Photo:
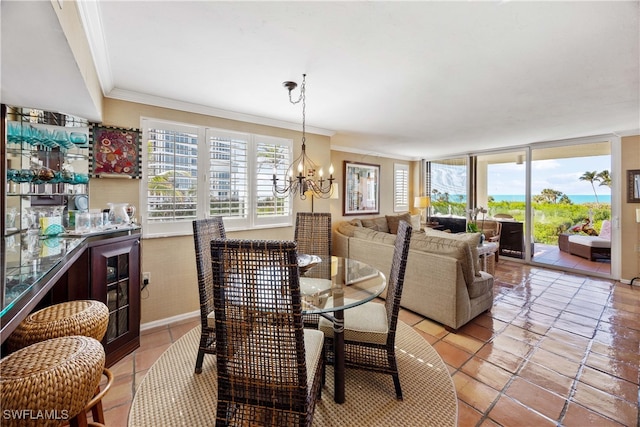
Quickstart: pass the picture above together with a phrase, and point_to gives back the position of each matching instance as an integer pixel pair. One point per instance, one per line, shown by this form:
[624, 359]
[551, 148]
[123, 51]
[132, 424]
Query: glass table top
[337, 283]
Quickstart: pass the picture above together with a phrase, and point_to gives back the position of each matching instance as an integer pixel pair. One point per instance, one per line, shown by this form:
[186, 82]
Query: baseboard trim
[169, 320]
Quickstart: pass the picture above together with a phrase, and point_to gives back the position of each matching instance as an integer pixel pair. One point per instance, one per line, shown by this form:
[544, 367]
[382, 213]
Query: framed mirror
[633, 186]
[361, 188]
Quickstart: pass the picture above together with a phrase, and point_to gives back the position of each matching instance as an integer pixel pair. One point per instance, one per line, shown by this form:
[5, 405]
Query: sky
[558, 174]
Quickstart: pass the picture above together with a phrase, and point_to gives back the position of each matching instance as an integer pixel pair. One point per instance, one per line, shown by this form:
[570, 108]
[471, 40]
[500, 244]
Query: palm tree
[548, 195]
[591, 177]
[604, 178]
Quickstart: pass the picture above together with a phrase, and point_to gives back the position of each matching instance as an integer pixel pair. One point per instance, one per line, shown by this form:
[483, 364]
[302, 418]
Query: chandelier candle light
[305, 181]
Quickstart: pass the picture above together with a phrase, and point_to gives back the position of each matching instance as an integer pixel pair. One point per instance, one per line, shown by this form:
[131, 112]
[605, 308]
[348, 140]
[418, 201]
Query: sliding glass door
[571, 206]
[501, 189]
[554, 200]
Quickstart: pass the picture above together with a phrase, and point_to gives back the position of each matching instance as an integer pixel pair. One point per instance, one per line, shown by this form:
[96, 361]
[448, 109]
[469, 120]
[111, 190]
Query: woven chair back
[259, 332]
[396, 277]
[205, 230]
[491, 228]
[313, 233]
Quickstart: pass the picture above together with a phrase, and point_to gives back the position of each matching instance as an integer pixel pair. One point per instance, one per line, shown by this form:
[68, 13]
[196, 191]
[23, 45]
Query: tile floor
[556, 349]
[552, 255]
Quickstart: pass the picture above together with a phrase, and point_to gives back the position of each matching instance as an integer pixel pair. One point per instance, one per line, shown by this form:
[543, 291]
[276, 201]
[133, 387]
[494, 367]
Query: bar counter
[34, 268]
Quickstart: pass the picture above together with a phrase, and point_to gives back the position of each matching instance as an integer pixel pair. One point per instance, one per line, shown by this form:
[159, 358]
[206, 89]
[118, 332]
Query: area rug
[171, 394]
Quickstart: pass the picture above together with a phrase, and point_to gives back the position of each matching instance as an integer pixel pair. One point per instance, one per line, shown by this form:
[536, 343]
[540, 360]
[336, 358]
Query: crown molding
[89, 12]
[372, 153]
[141, 98]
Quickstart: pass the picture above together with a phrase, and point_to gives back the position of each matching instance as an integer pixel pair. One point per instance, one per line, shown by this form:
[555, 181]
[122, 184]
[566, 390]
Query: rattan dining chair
[492, 230]
[370, 328]
[313, 236]
[270, 369]
[204, 230]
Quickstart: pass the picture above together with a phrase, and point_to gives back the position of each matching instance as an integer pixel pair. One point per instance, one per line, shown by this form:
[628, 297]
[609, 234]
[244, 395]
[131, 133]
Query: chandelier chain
[307, 178]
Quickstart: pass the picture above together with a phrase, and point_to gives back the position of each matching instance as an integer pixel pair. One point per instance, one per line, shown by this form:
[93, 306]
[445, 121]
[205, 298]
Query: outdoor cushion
[592, 241]
[605, 230]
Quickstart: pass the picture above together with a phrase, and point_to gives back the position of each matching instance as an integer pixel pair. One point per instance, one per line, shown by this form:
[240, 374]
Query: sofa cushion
[473, 239]
[347, 228]
[374, 236]
[455, 248]
[377, 224]
[480, 286]
[394, 220]
[356, 221]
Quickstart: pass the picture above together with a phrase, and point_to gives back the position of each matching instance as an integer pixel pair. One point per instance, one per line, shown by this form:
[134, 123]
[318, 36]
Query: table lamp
[421, 203]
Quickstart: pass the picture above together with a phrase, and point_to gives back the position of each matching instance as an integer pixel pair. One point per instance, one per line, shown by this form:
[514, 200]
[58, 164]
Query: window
[400, 187]
[194, 172]
[446, 183]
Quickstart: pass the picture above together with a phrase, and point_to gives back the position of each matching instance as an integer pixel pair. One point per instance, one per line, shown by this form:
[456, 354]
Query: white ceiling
[401, 79]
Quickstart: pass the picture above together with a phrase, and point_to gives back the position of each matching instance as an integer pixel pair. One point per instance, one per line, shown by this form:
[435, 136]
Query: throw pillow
[394, 220]
[605, 230]
[415, 221]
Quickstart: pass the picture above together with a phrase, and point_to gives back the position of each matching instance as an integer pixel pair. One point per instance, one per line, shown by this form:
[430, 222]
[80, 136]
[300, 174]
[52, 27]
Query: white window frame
[185, 227]
[400, 187]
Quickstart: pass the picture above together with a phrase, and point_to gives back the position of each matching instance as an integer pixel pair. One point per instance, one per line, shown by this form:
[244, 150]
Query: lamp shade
[421, 202]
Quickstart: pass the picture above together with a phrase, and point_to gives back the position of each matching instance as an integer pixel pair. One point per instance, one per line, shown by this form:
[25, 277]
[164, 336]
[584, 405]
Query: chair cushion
[211, 320]
[313, 342]
[363, 323]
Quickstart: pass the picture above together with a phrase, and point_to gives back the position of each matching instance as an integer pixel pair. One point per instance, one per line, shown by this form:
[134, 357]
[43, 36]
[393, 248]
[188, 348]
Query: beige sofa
[443, 281]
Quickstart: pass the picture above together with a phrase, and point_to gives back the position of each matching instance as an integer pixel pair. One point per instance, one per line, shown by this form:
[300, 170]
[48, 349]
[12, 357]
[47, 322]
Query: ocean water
[577, 199]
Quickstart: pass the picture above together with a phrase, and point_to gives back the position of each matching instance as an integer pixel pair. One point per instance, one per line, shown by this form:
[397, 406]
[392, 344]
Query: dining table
[329, 285]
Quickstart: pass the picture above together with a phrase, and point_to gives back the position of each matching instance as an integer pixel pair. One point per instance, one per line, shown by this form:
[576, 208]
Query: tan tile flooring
[556, 349]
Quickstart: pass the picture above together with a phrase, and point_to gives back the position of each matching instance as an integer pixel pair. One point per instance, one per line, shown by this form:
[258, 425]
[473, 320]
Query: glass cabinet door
[115, 280]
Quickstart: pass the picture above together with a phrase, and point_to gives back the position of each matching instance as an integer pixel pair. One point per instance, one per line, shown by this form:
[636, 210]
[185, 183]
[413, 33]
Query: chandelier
[303, 177]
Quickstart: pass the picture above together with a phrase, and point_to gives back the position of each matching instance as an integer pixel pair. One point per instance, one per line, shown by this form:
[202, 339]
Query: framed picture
[633, 183]
[115, 152]
[361, 188]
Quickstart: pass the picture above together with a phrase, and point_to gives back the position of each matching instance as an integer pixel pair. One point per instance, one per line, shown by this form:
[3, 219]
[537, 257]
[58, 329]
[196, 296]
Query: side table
[486, 253]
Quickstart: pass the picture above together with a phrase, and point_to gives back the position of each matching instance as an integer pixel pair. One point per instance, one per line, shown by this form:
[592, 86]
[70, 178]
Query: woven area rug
[171, 394]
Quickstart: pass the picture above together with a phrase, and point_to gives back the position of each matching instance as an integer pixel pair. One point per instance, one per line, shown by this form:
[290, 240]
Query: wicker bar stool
[84, 317]
[50, 382]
